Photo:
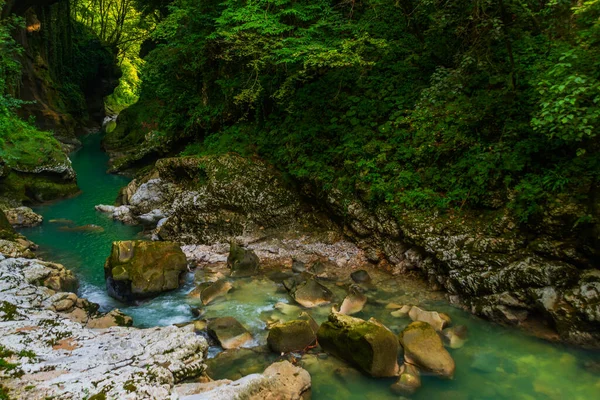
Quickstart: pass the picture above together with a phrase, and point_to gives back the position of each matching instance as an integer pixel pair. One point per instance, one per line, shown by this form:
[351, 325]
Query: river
[495, 363]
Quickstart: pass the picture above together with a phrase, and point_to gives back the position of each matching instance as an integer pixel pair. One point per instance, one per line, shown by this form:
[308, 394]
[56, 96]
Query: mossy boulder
[423, 347]
[295, 335]
[242, 262]
[370, 347]
[138, 269]
[409, 381]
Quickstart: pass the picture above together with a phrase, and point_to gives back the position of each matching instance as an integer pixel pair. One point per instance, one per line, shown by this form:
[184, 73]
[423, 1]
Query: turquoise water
[495, 363]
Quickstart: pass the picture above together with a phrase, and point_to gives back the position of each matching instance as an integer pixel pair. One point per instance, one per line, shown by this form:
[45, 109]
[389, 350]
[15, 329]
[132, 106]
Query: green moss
[24, 147]
[9, 310]
[32, 188]
[130, 386]
[98, 396]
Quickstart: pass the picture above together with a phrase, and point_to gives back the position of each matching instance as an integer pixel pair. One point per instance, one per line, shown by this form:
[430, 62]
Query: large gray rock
[308, 292]
[66, 360]
[280, 381]
[366, 345]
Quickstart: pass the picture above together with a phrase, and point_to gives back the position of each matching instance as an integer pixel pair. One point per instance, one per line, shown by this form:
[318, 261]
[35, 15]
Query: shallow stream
[495, 363]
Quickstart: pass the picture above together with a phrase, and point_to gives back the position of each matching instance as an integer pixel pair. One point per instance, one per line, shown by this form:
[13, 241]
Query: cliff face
[66, 71]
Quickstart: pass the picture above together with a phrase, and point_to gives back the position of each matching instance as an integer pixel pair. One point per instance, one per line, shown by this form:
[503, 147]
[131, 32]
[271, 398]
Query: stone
[402, 311]
[22, 217]
[228, 332]
[298, 266]
[215, 290]
[242, 262]
[409, 381]
[360, 276]
[438, 320]
[423, 347]
[354, 302]
[311, 293]
[295, 335]
[455, 336]
[140, 269]
[370, 347]
[288, 309]
[280, 381]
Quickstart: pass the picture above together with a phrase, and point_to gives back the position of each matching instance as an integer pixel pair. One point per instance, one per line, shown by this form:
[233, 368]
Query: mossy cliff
[63, 74]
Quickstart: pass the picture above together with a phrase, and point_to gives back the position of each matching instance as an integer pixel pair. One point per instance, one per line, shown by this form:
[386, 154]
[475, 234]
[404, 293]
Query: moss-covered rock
[366, 345]
[295, 335]
[139, 269]
[423, 347]
[242, 262]
[308, 292]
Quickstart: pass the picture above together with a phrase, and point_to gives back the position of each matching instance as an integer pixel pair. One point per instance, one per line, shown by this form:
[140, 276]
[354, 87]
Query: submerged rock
[309, 293]
[354, 302]
[409, 381]
[242, 262]
[139, 269]
[369, 346]
[228, 332]
[455, 336]
[294, 335]
[215, 290]
[423, 347]
[83, 228]
[360, 276]
[22, 217]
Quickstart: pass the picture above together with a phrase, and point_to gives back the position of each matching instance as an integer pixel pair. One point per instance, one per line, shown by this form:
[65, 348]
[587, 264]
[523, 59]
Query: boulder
[368, 346]
[6, 229]
[139, 269]
[309, 293]
[228, 332]
[242, 262]
[438, 320]
[22, 217]
[214, 290]
[409, 381]
[294, 335]
[423, 347]
[354, 302]
[298, 266]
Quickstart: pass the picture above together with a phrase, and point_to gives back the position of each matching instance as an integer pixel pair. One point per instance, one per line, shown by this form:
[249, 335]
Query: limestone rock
[424, 348]
[354, 302]
[455, 336]
[370, 347]
[438, 320]
[72, 361]
[22, 217]
[139, 269]
[242, 262]
[295, 335]
[280, 381]
[228, 332]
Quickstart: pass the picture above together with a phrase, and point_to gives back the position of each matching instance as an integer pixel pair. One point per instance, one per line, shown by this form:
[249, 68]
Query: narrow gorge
[299, 199]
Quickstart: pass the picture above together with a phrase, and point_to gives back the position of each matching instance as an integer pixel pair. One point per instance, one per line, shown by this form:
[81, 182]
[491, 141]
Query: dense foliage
[418, 103]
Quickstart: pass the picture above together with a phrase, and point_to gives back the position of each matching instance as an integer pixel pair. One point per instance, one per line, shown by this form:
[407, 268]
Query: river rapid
[495, 363]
